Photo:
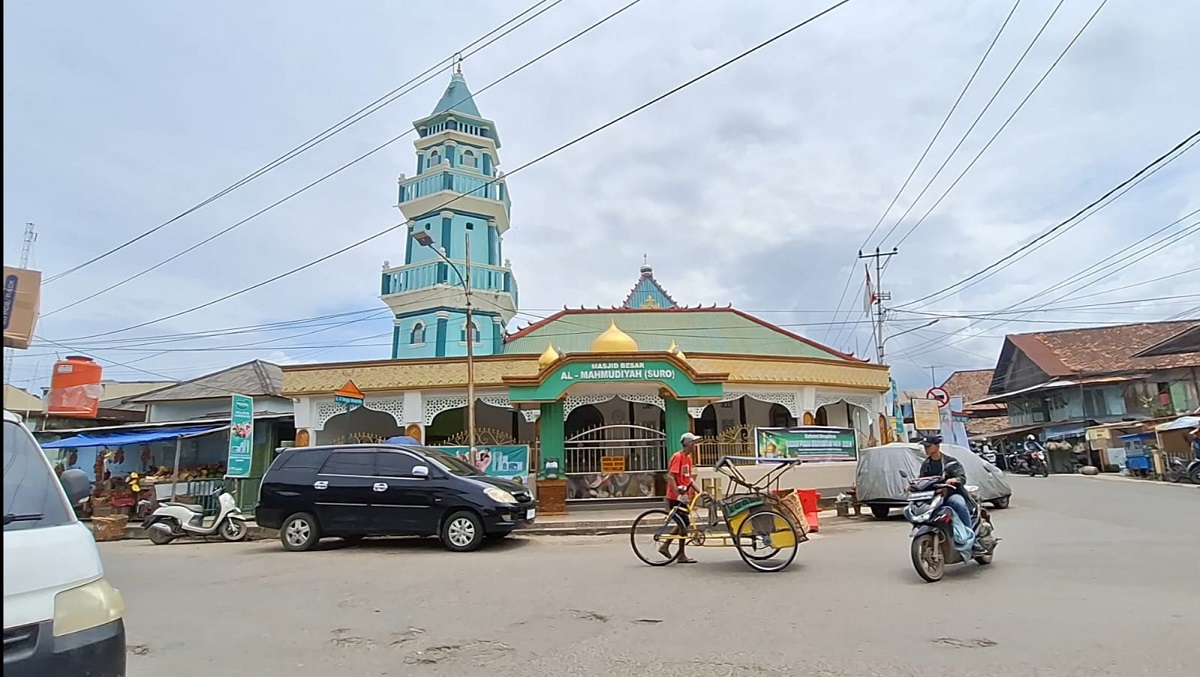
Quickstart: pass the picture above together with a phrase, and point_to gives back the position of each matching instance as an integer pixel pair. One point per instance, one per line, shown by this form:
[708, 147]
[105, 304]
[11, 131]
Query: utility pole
[878, 296]
[470, 357]
[26, 251]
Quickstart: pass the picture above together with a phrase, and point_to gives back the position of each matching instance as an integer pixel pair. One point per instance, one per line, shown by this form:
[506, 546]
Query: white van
[61, 615]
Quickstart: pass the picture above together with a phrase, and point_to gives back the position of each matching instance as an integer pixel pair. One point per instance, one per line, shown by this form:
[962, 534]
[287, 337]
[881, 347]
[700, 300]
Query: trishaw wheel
[767, 541]
[654, 532]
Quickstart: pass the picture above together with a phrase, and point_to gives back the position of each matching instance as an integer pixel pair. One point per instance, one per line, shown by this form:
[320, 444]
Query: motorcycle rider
[949, 469]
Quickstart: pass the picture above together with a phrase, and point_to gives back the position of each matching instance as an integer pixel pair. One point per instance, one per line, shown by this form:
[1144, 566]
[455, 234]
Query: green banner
[813, 443]
[241, 437]
[510, 461]
[650, 371]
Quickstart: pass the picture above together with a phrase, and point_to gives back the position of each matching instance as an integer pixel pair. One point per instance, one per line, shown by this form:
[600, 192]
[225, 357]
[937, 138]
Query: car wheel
[1001, 503]
[880, 512]
[462, 532]
[299, 532]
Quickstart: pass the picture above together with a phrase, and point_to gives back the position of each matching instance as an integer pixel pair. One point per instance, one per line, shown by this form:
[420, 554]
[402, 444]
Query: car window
[394, 464]
[358, 462]
[31, 496]
[452, 464]
[302, 459]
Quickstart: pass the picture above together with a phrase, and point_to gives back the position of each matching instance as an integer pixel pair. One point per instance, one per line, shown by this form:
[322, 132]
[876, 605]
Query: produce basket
[791, 507]
[109, 528]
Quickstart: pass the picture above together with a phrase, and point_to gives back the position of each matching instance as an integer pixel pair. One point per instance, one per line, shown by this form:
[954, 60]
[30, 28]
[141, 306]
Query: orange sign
[612, 464]
[348, 394]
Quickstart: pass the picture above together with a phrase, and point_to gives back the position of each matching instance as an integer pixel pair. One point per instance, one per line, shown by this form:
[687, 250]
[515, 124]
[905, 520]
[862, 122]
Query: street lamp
[927, 324]
[424, 239]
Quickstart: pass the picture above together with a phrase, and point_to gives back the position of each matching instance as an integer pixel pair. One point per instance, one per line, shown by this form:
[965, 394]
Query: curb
[602, 528]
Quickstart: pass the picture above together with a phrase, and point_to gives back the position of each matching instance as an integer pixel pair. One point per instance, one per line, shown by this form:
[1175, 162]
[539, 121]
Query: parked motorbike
[932, 535]
[1178, 471]
[179, 520]
[1038, 465]
[1017, 463]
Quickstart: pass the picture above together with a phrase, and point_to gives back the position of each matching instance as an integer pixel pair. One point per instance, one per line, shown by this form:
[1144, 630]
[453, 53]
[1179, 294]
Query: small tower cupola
[648, 294]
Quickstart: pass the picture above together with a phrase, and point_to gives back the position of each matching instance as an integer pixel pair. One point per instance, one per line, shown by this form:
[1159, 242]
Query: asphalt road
[1093, 577]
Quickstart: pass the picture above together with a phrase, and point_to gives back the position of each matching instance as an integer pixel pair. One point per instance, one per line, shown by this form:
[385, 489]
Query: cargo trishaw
[765, 528]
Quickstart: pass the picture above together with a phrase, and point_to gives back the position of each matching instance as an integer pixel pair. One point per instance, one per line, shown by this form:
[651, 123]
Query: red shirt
[679, 474]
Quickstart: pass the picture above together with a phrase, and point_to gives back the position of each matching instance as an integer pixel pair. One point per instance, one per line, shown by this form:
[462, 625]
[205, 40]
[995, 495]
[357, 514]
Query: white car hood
[39, 564]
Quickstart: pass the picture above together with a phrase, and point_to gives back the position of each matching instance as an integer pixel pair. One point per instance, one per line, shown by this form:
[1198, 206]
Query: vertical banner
[241, 437]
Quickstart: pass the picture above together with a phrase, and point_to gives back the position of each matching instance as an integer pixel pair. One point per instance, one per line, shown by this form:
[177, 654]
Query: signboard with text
[660, 372]
[926, 415]
[241, 437]
[509, 461]
[811, 443]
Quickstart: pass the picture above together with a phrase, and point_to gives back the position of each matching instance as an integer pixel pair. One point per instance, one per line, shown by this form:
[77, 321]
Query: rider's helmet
[1030, 438]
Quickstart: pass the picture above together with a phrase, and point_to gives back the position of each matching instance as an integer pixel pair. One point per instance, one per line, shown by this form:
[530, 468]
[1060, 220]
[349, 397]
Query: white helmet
[1031, 438]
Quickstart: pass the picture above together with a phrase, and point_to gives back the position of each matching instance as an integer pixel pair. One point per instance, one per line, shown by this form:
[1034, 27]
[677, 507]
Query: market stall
[136, 469]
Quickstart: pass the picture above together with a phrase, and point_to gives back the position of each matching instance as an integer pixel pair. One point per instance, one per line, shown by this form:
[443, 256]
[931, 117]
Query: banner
[241, 437]
[22, 296]
[510, 462]
[811, 443]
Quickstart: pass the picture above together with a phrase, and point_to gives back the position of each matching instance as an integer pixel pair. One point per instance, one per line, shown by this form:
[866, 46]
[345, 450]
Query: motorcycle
[1017, 463]
[932, 535]
[179, 520]
[1177, 471]
[1037, 464]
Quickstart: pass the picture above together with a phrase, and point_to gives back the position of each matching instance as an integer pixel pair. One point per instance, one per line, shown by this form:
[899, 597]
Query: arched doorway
[357, 426]
[582, 418]
[843, 414]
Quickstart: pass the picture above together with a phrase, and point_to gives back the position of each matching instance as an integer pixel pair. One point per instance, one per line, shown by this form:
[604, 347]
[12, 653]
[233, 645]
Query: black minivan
[352, 491]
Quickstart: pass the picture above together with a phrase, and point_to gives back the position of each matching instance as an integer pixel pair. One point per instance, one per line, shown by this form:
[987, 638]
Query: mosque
[582, 387]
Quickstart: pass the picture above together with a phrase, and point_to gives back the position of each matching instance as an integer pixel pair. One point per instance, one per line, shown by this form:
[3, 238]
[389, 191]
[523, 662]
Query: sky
[756, 186]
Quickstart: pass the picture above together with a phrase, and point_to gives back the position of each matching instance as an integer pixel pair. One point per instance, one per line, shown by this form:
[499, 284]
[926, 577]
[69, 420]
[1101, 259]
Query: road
[1093, 577]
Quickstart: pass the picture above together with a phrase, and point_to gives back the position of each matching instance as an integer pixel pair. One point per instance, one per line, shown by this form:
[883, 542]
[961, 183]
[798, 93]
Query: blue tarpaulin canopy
[124, 437]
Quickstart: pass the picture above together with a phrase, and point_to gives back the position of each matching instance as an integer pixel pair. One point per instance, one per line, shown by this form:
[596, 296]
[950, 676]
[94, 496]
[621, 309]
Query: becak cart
[766, 529]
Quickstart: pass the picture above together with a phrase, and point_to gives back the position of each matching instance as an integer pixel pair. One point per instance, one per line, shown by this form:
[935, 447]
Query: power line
[329, 132]
[1063, 224]
[1144, 253]
[979, 117]
[492, 181]
[344, 167]
[920, 160]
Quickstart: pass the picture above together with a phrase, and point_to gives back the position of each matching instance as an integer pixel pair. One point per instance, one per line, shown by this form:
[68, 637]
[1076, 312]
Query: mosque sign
[645, 372]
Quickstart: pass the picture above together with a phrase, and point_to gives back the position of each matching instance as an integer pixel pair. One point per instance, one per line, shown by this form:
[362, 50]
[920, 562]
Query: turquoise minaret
[458, 195]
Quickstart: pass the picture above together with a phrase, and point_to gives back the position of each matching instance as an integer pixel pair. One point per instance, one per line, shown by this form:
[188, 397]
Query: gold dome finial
[548, 358]
[613, 340]
[672, 348]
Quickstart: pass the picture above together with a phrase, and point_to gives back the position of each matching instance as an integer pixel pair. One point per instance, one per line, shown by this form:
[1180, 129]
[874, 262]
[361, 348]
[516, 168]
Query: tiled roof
[1186, 341]
[255, 378]
[694, 330]
[1103, 350]
[970, 385]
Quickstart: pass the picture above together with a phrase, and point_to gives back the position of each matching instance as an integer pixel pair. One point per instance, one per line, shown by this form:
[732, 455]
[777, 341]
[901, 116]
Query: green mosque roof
[457, 99]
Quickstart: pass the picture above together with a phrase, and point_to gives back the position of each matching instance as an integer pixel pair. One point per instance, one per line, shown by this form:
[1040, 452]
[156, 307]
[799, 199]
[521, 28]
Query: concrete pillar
[678, 423]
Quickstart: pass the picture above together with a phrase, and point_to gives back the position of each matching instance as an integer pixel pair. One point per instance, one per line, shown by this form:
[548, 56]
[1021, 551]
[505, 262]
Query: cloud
[756, 186]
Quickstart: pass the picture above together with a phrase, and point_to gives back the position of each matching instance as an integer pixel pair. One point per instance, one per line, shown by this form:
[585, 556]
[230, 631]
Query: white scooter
[177, 520]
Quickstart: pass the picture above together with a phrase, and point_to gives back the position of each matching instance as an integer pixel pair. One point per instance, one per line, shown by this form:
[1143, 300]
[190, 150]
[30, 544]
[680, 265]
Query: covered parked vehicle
[878, 483]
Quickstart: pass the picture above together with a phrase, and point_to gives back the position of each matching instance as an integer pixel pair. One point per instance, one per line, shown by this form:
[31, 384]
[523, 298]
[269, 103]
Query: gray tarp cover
[878, 476]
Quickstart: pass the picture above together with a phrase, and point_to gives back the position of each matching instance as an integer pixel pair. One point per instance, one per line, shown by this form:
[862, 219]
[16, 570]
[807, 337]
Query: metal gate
[643, 448]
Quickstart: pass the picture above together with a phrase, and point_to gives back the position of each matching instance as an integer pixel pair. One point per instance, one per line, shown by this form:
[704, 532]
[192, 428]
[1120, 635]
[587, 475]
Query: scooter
[179, 520]
[932, 535]
[1017, 463]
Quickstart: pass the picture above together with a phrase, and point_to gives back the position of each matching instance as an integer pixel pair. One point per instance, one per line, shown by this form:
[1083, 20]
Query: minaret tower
[457, 194]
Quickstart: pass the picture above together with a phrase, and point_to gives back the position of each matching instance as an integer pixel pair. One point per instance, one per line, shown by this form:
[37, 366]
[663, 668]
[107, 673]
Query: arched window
[469, 159]
[418, 334]
[474, 332]
[435, 158]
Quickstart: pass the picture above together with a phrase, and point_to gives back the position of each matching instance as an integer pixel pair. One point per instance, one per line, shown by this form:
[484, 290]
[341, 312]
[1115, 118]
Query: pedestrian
[679, 491]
